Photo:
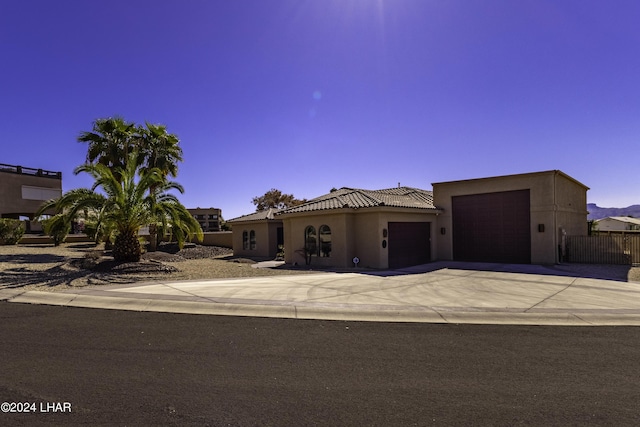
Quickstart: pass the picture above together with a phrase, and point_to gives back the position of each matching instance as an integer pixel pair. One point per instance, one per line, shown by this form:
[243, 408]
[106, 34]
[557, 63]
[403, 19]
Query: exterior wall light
[443, 230]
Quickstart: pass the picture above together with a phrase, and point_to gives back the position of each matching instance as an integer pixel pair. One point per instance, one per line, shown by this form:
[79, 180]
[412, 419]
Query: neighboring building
[23, 190]
[508, 219]
[208, 218]
[258, 234]
[617, 223]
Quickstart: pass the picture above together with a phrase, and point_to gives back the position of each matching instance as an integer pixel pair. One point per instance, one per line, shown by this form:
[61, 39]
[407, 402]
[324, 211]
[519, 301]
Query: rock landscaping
[52, 268]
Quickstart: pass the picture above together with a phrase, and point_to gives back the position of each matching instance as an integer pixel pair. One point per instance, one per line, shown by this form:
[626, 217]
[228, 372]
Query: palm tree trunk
[127, 248]
[153, 238]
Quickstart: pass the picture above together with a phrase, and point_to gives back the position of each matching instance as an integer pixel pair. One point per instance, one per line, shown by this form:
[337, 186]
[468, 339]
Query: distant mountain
[596, 212]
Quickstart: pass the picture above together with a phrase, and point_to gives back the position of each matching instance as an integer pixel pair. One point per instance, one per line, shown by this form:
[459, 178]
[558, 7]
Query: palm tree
[129, 203]
[158, 149]
[76, 201]
[110, 141]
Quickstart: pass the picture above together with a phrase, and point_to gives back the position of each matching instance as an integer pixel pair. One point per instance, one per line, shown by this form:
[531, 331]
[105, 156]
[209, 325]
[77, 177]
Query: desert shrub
[99, 232]
[91, 230]
[91, 259]
[57, 227]
[93, 255]
[11, 231]
[144, 244]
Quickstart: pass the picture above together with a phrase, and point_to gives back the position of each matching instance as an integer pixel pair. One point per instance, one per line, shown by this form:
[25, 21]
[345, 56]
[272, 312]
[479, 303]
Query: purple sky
[304, 96]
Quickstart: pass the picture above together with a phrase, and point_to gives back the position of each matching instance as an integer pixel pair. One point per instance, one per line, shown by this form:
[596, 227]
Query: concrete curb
[344, 312]
[7, 294]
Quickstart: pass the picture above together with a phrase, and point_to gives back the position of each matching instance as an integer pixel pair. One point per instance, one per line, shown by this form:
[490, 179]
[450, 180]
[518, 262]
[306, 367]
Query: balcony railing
[30, 171]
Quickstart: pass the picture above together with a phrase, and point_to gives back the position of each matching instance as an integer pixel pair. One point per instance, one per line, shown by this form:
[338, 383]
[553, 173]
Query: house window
[245, 240]
[325, 241]
[310, 241]
[252, 240]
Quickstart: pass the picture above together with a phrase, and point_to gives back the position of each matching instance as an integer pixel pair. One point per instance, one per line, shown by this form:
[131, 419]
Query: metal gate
[622, 248]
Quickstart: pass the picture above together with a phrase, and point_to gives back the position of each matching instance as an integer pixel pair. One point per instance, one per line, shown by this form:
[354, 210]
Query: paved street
[145, 368]
[444, 345]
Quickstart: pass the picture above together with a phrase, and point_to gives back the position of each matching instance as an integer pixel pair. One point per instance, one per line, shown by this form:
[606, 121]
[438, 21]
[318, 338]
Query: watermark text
[35, 407]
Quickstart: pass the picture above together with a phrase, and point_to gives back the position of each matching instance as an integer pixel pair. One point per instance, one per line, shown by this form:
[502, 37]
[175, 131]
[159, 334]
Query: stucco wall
[572, 206]
[355, 233]
[342, 242]
[556, 202]
[369, 231]
[218, 238]
[266, 238]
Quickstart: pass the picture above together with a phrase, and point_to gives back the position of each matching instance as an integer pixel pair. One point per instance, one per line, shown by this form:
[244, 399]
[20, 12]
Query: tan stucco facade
[354, 233]
[552, 205]
[558, 204]
[264, 243]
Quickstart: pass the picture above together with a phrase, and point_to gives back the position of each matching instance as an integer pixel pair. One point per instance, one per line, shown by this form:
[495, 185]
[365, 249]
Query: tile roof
[354, 198]
[257, 216]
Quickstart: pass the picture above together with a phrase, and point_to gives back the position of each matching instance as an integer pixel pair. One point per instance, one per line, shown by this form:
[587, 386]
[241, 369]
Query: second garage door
[492, 227]
[409, 243]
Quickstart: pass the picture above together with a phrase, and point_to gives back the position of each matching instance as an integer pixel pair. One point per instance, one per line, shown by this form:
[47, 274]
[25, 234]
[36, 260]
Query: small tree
[11, 231]
[275, 199]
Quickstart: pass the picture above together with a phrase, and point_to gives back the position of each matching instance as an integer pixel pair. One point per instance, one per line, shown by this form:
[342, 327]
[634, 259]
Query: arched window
[252, 240]
[310, 241]
[245, 240]
[325, 241]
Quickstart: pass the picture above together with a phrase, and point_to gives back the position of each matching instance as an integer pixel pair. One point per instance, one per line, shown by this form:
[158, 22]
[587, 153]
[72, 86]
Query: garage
[409, 243]
[492, 227]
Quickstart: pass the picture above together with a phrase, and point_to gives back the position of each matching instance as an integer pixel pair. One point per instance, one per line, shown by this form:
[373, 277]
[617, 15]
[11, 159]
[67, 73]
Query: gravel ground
[45, 267]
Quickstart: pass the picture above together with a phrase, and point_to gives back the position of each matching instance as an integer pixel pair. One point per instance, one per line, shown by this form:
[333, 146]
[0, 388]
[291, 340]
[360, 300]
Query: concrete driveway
[440, 292]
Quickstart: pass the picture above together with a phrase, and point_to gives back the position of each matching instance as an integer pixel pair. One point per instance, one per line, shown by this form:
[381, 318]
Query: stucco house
[388, 228]
[618, 223]
[507, 219]
[258, 234]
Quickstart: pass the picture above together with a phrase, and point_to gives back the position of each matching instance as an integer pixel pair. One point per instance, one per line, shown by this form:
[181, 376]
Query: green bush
[11, 231]
[57, 227]
[91, 230]
[99, 232]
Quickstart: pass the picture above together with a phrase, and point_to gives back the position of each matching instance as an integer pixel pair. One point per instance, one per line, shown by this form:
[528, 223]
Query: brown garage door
[492, 227]
[409, 243]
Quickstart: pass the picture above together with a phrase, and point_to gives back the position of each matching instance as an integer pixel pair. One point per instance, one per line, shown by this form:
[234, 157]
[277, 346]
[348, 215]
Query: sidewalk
[435, 293]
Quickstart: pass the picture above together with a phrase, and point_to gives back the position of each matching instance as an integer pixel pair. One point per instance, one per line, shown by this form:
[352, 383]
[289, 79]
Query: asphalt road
[141, 368]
